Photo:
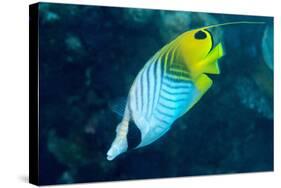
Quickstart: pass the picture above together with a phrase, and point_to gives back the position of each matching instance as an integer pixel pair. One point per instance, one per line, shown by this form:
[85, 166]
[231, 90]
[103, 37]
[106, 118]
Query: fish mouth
[112, 153]
[110, 157]
[118, 146]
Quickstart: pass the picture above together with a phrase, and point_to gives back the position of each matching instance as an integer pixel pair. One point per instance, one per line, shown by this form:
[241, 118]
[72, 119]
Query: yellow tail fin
[212, 68]
[210, 63]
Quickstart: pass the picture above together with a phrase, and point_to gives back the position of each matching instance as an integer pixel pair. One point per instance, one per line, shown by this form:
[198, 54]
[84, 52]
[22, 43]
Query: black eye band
[200, 35]
[133, 136]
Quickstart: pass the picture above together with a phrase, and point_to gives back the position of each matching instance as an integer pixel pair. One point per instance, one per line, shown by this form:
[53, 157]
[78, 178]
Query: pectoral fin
[119, 106]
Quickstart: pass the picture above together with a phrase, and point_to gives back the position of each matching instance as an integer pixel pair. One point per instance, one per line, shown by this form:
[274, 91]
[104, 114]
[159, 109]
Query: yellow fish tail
[212, 68]
[210, 64]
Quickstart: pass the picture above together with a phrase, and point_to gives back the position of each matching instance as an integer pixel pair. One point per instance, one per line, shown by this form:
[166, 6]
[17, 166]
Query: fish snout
[112, 153]
[118, 147]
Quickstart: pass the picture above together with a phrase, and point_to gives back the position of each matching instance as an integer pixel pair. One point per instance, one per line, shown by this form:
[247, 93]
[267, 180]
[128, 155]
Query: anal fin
[202, 84]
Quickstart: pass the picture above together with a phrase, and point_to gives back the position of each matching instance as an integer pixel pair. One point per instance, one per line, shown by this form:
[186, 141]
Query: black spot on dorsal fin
[200, 35]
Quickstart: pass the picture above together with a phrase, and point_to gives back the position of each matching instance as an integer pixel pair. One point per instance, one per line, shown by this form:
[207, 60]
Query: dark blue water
[89, 57]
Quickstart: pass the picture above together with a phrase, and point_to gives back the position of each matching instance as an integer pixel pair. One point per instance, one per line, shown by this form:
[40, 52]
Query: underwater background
[89, 57]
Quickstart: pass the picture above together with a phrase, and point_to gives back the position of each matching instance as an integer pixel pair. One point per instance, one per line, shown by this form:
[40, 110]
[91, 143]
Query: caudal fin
[210, 63]
[212, 68]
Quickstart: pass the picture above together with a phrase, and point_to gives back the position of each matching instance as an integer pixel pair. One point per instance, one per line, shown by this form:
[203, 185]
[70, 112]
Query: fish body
[168, 86]
[161, 93]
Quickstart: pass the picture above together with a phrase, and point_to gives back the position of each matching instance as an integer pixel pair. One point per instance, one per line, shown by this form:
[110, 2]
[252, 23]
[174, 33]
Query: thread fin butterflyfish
[169, 85]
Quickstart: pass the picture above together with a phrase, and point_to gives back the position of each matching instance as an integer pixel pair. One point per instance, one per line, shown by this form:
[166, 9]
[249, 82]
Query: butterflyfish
[169, 85]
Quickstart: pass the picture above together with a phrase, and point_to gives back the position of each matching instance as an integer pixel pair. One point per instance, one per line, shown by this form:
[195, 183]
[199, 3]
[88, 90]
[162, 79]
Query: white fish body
[156, 100]
[169, 84]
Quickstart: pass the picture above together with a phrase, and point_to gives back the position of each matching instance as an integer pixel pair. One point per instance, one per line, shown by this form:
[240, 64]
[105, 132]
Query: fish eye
[200, 35]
